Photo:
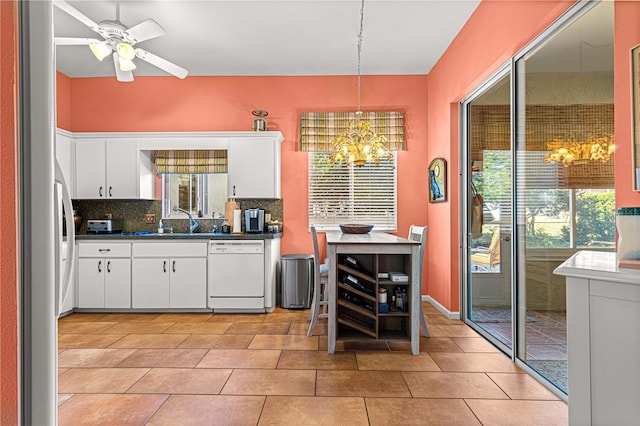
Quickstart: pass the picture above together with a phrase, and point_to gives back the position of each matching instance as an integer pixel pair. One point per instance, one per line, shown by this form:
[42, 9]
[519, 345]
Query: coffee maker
[254, 220]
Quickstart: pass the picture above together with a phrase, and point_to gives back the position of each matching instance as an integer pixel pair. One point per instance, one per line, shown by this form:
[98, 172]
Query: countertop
[600, 265]
[337, 237]
[178, 236]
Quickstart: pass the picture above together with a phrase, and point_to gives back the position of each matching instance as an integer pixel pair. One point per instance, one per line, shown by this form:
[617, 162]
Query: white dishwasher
[236, 276]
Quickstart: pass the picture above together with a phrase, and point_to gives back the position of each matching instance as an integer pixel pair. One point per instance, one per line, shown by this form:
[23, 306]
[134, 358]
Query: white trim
[447, 313]
[181, 140]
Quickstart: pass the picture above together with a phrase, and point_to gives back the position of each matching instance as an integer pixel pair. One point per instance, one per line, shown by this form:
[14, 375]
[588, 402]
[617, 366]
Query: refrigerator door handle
[62, 288]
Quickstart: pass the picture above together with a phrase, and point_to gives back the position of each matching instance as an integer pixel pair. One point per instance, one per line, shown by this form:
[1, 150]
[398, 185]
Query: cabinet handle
[234, 190]
[164, 266]
[100, 191]
[109, 266]
[110, 192]
[103, 250]
[174, 266]
[99, 265]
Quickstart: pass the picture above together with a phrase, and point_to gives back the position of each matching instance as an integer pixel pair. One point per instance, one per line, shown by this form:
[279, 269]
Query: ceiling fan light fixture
[100, 50]
[127, 65]
[125, 51]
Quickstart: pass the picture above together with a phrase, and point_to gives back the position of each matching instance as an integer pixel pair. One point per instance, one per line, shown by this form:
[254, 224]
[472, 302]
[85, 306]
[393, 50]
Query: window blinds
[191, 161]
[339, 194]
[319, 129]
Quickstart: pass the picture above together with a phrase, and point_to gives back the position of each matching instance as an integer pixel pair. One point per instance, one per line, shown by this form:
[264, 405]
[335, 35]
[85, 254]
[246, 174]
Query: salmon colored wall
[225, 103]
[63, 104]
[493, 34]
[8, 215]
[627, 35]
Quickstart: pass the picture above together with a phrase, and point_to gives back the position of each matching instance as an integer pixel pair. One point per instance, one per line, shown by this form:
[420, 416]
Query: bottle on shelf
[400, 294]
[353, 282]
[353, 263]
[352, 298]
[160, 227]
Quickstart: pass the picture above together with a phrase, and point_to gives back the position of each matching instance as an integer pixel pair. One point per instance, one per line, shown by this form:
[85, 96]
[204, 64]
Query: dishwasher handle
[237, 247]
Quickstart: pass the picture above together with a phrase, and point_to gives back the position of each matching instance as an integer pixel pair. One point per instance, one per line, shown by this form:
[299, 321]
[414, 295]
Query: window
[201, 194]
[555, 217]
[340, 194]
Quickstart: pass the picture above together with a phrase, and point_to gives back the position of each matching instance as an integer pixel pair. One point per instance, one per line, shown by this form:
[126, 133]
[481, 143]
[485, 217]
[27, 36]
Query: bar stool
[320, 301]
[419, 233]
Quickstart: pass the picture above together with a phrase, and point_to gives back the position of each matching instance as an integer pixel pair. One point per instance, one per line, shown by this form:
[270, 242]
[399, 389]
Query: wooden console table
[378, 252]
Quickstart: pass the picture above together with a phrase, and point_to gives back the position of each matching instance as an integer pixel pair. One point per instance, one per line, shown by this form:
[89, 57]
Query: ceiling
[266, 37]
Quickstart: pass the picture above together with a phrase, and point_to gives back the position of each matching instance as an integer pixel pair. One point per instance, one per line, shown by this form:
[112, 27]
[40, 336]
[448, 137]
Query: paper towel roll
[237, 221]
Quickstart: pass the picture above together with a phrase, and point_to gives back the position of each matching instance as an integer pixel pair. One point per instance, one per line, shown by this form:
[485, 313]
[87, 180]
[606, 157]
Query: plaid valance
[319, 129]
[191, 161]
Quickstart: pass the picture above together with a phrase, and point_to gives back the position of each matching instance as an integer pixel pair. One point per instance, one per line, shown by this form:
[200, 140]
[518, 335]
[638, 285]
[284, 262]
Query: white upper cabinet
[112, 168]
[64, 155]
[254, 167]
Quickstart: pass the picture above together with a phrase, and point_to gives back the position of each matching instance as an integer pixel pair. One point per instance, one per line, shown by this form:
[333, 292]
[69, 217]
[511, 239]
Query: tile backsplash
[132, 213]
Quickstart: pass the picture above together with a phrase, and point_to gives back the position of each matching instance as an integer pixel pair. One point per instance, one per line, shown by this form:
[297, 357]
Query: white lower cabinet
[169, 275]
[104, 275]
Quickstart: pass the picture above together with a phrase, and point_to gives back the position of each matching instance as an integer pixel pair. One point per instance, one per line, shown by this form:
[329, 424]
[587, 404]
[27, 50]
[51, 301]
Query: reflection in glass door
[489, 281]
[565, 197]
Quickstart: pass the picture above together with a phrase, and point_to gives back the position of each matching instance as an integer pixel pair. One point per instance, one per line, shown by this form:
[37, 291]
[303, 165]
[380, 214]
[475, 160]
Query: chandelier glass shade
[359, 144]
[573, 152]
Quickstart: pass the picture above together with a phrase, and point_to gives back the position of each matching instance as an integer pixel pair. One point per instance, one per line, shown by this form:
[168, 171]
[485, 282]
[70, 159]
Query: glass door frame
[515, 68]
[465, 190]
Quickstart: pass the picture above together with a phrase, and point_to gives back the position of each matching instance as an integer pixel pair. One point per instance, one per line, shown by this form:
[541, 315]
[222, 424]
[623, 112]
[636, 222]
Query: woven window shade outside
[319, 129]
[490, 130]
[191, 161]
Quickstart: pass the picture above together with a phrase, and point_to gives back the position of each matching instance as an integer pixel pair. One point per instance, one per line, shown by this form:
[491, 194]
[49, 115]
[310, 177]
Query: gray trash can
[297, 281]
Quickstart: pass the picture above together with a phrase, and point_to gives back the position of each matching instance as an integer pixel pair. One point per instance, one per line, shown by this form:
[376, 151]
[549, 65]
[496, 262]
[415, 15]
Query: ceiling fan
[119, 41]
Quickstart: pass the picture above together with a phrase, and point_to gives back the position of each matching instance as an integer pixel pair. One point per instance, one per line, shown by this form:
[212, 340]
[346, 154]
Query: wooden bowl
[352, 228]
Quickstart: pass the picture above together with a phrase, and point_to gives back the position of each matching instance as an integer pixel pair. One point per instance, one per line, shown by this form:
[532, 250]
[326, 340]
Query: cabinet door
[122, 168]
[188, 283]
[150, 283]
[117, 283]
[90, 169]
[91, 283]
[254, 168]
[64, 155]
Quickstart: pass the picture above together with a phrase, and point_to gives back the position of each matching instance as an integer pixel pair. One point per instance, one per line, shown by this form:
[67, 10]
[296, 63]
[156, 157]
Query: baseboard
[447, 313]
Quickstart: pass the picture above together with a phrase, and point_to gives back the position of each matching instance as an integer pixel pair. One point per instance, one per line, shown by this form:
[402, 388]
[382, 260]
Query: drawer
[100, 249]
[170, 249]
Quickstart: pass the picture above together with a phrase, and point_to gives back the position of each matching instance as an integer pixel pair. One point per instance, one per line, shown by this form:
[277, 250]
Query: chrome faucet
[193, 224]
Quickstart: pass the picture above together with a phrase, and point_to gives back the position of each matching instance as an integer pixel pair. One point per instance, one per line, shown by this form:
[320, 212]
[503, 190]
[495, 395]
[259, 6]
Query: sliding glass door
[539, 187]
[489, 233]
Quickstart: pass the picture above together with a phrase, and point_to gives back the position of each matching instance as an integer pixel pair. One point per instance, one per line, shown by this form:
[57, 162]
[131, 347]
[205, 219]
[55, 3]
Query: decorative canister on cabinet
[260, 121]
[628, 226]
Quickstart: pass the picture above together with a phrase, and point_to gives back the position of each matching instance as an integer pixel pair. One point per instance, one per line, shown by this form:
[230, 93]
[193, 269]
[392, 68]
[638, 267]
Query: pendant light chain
[359, 144]
[360, 37]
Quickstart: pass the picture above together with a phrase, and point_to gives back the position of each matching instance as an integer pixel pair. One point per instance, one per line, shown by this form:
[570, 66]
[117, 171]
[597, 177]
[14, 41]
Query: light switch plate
[150, 218]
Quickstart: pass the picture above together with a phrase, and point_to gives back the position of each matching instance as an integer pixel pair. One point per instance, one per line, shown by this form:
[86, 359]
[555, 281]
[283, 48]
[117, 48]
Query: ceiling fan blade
[125, 76]
[145, 30]
[75, 41]
[161, 63]
[63, 5]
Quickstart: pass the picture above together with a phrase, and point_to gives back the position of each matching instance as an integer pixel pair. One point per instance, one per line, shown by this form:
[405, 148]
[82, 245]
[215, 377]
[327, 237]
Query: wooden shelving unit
[354, 319]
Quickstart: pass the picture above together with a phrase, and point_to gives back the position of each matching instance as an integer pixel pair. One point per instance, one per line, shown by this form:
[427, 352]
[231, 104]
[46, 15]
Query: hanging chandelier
[573, 152]
[359, 144]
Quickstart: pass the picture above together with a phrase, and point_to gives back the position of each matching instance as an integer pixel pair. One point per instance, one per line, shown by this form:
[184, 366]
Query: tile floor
[262, 369]
[546, 337]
